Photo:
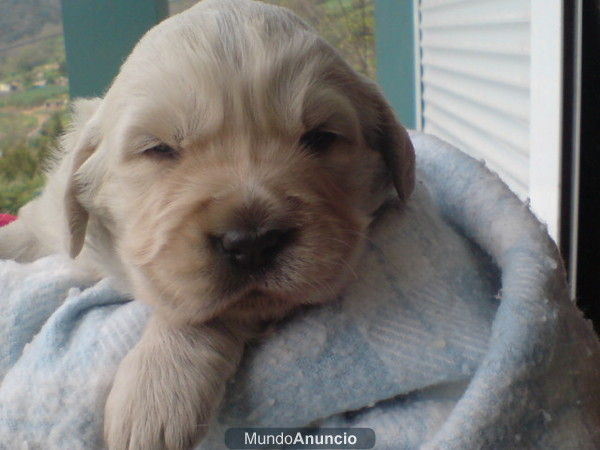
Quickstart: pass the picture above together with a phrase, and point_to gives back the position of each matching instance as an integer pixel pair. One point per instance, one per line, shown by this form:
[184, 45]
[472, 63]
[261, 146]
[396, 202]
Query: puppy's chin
[253, 303]
[256, 305]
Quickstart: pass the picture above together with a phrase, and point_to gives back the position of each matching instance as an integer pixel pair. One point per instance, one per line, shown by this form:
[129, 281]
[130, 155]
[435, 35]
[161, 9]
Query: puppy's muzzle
[251, 248]
[250, 235]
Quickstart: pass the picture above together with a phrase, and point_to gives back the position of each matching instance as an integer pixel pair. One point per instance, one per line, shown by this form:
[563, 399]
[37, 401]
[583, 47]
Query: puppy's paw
[169, 385]
[152, 408]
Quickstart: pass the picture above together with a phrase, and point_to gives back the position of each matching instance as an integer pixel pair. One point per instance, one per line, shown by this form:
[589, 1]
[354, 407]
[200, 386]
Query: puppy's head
[237, 162]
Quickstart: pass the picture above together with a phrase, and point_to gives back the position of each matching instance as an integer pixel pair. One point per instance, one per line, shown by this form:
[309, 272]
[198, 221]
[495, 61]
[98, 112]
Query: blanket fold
[458, 333]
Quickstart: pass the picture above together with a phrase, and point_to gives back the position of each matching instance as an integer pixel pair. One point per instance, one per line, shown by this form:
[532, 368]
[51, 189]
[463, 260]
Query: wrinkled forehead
[210, 69]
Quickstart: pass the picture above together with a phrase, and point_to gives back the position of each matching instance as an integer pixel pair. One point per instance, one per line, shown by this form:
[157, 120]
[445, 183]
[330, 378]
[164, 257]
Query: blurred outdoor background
[34, 80]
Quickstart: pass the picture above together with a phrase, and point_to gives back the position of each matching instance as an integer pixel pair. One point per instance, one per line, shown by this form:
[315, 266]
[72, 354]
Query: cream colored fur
[232, 86]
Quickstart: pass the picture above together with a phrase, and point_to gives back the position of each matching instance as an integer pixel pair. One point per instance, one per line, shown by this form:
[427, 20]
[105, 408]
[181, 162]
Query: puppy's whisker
[360, 234]
[350, 269]
[320, 285]
[375, 245]
[336, 240]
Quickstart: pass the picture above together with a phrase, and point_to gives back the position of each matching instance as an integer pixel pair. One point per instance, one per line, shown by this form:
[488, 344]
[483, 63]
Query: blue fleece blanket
[457, 334]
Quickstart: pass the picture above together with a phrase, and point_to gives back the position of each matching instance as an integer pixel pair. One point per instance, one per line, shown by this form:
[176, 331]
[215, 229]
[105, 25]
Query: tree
[23, 162]
[346, 24]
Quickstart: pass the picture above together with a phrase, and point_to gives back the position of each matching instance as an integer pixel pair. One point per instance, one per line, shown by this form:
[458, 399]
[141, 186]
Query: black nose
[254, 249]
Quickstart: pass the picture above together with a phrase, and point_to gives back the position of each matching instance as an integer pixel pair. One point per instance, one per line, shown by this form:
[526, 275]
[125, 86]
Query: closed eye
[161, 151]
[318, 141]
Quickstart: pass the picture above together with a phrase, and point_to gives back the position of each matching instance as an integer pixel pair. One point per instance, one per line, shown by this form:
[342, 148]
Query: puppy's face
[239, 163]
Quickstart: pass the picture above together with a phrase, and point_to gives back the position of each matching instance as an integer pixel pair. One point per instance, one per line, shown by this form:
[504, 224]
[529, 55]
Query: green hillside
[21, 19]
[33, 95]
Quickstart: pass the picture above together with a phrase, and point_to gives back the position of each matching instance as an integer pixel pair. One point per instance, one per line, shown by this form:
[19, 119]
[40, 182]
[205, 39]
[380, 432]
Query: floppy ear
[384, 134]
[80, 144]
[396, 148]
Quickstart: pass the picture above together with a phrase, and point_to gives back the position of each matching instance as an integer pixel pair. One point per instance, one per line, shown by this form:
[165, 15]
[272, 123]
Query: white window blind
[475, 80]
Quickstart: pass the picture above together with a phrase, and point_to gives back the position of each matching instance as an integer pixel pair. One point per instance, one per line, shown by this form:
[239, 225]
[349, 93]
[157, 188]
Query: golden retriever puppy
[229, 175]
